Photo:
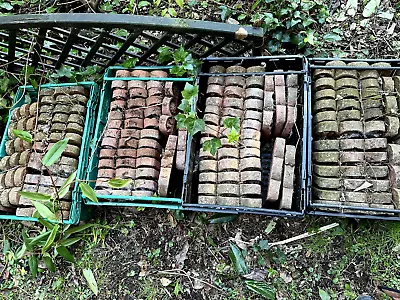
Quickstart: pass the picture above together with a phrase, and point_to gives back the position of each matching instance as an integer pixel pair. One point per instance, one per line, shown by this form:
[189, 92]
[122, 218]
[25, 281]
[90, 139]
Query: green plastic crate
[76, 205]
[119, 200]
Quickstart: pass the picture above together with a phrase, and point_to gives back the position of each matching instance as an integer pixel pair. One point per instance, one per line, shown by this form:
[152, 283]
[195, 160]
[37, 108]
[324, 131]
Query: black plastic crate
[347, 211]
[289, 65]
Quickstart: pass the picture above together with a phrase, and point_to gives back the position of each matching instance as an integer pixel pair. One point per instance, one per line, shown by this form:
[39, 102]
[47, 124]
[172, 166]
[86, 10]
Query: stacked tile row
[355, 122]
[141, 116]
[266, 109]
[59, 113]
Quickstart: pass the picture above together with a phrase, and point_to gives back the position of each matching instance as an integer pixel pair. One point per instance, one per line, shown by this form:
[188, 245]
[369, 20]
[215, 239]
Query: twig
[172, 273]
[304, 235]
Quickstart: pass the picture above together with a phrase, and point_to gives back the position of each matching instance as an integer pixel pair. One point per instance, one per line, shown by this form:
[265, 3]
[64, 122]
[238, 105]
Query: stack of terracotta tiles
[140, 120]
[266, 109]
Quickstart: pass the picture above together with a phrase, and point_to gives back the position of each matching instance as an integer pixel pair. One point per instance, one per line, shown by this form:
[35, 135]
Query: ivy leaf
[194, 125]
[185, 106]
[54, 152]
[332, 37]
[23, 135]
[178, 70]
[164, 55]
[233, 135]
[180, 120]
[88, 274]
[44, 211]
[119, 183]
[371, 8]
[190, 91]
[180, 54]
[35, 196]
[88, 192]
[64, 71]
[130, 62]
[261, 288]
[212, 145]
[33, 265]
[232, 122]
[309, 37]
[237, 260]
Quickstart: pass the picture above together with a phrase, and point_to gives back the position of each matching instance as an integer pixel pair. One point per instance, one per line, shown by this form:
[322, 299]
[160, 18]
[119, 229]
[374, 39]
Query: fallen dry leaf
[165, 281]
[182, 256]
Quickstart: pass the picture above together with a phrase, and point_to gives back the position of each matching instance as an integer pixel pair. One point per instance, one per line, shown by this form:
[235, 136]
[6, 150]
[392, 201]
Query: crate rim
[129, 22]
[93, 90]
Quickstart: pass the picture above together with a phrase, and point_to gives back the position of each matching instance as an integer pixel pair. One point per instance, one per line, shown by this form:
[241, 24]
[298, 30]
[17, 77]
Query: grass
[376, 243]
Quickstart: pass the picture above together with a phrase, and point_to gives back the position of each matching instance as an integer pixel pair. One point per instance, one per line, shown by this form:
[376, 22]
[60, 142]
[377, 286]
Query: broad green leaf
[33, 264]
[332, 37]
[46, 224]
[69, 242]
[180, 55]
[44, 211]
[119, 183]
[164, 55]
[35, 196]
[185, 106]
[6, 6]
[64, 71]
[54, 152]
[88, 274]
[233, 122]
[88, 192]
[194, 125]
[27, 240]
[264, 245]
[371, 8]
[172, 12]
[6, 246]
[66, 185]
[23, 135]
[178, 214]
[180, 120]
[222, 218]
[41, 237]
[63, 251]
[190, 91]
[48, 261]
[212, 145]
[144, 4]
[261, 288]
[237, 259]
[130, 62]
[21, 252]
[309, 37]
[79, 228]
[180, 3]
[233, 135]
[351, 7]
[323, 295]
[51, 238]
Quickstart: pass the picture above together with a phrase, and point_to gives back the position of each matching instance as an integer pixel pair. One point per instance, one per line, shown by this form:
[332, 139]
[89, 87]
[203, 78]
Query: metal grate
[80, 40]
